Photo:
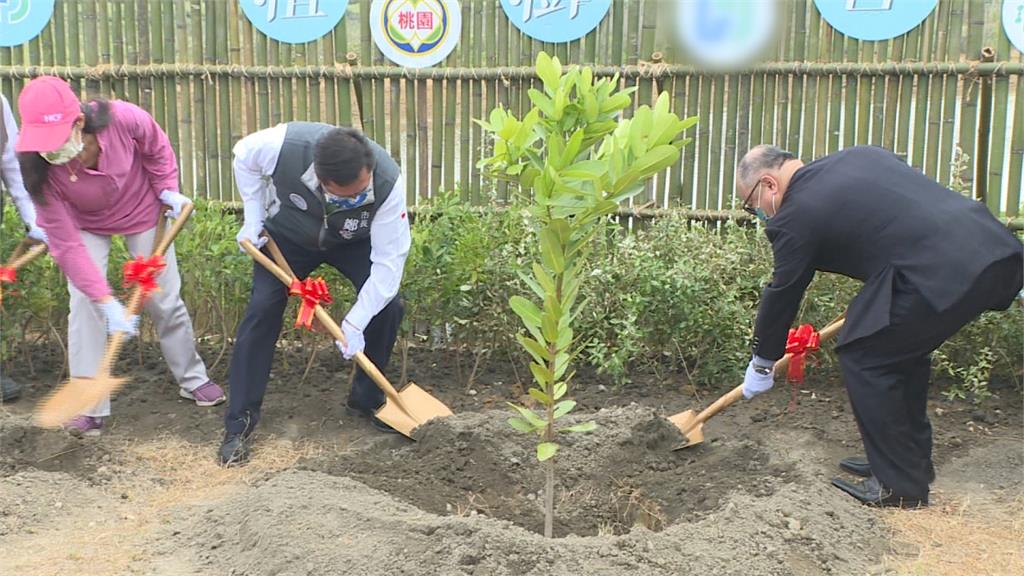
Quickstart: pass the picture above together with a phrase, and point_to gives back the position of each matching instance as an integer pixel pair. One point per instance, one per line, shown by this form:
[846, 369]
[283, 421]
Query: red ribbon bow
[801, 341]
[7, 276]
[313, 292]
[142, 272]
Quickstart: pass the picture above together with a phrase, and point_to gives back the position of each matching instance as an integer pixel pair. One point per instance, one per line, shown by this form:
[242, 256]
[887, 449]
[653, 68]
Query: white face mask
[73, 147]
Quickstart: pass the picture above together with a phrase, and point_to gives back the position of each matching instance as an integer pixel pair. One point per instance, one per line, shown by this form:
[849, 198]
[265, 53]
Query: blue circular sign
[1013, 22]
[556, 20]
[294, 21]
[875, 19]
[23, 20]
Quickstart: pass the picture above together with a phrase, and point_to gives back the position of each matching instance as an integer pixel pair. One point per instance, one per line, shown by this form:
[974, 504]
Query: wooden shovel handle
[163, 238]
[361, 359]
[780, 366]
[26, 251]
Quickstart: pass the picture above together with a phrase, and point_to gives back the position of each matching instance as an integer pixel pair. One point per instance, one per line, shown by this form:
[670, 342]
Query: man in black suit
[931, 261]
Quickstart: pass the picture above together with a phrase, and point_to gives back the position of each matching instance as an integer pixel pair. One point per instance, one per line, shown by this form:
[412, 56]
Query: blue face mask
[345, 203]
[761, 214]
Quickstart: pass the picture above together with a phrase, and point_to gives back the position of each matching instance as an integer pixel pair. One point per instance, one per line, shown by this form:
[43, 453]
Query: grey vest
[299, 213]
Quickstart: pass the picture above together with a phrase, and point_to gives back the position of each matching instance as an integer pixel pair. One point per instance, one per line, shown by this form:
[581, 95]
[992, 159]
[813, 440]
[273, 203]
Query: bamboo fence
[950, 87]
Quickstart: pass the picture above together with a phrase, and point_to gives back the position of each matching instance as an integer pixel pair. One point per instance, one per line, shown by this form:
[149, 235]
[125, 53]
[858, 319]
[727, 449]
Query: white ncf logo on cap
[50, 118]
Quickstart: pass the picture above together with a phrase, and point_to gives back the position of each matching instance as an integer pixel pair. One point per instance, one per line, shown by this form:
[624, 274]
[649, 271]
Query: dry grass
[152, 481]
[957, 537]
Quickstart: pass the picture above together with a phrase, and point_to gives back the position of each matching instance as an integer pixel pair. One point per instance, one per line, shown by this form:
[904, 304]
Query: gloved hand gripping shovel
[79, 394]
[691, 424]
[403, 410]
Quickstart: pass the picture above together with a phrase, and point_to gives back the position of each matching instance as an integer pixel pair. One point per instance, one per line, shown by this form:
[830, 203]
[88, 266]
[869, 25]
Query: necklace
[74, 173]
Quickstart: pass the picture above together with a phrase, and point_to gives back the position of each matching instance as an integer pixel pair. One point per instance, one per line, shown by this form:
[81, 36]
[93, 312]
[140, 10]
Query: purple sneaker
[83, 425]
[208, 394]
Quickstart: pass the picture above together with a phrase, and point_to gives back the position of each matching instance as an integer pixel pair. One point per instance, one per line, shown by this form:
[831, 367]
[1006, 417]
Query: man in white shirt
[10, 177]
[326, 195]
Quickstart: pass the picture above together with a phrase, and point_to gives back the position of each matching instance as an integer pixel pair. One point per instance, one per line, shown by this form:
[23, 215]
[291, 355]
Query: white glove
[118, 319]
[252, 225]
[251, 233]
[37, 233]
[176, 200]
[760, 377]
[354, 341]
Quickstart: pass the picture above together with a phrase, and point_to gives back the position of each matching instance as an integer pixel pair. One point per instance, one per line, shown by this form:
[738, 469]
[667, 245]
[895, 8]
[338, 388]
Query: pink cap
[48, 109]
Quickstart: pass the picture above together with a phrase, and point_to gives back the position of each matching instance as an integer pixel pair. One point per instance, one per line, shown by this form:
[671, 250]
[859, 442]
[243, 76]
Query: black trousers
[887, 374]
[258, 332]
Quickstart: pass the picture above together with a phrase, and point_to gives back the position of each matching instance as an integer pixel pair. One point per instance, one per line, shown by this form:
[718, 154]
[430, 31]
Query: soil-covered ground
[327, 494]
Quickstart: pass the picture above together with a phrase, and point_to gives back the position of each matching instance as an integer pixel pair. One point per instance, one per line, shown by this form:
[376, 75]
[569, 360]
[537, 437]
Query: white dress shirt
[254, 163]
[11, 171]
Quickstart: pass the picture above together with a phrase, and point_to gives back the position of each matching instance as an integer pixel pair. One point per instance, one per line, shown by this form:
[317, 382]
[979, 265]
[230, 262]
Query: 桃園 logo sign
[416, 33]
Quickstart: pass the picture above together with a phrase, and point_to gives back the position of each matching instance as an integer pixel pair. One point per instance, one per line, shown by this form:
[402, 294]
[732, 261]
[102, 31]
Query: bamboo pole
[502, 92]
[1016, 154]
[395, 118]
[437, 135]
[892, 93]
[74, 55]
[171, 84]
[301, 87]
[236, 105]
[345, 91]
[704, 130]
[757, 111]
[186, 154]
[835, 111]
[212, 89]
[911, 51]
[851, 88]
[822, 86]
[423, 127]
[618, 32]
[937, 91]
[649, 20]
[410, 169]
[732, 120]
[366, 112]
[154, 40]
[808, 116]
[146, 85]
[328, 58]
[971, 91]
[690, 152]
[315, 86]
[678, 93]
[225, 118]
[465, 110]
[955, 35]
[878, 97]
[1000, 114]
[198, 109]
[983, 135]
[91, 43]
[864, 98]
[917, 143]
[796, 82]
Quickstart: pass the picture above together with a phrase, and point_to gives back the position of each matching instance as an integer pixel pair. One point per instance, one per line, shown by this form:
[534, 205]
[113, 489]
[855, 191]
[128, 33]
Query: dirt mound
[303, 522]
[622, 474]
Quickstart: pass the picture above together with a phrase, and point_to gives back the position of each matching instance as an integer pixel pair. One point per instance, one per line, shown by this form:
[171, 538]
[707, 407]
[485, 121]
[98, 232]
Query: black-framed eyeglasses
[746, 202]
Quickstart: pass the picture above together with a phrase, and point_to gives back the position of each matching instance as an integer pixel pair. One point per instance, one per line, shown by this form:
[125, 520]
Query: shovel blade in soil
[417, 408]
[73, 398]
[688, 425]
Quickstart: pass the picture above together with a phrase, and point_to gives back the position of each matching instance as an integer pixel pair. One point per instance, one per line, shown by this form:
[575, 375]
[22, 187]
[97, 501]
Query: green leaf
[560, 389]
[585, 170]
[551, 250]
[526, 310]
[539, 396]
[537, 288]
[536, 421]
[584, 427]
[542, 102]
[564, 407]
[561, 364]
[535, 348]
[520, 424]
[544, 279]
[541, 374]
[549, 70]
[546, 450]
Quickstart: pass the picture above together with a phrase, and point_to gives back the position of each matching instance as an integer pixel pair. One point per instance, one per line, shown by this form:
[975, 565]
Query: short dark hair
[340, 156]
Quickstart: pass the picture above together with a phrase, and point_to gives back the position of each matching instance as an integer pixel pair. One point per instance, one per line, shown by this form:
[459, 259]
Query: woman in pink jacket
[94, 170]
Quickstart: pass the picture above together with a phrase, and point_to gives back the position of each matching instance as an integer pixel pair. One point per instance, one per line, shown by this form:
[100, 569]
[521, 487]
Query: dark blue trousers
[253, 354]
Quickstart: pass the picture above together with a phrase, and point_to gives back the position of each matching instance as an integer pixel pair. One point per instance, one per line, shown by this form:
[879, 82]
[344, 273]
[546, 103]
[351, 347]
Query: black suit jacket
[864, 213]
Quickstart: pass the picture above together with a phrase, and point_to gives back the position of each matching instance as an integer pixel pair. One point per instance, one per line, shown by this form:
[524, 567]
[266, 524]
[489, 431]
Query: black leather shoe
[873, 493]
[9, 390]
[857, 465]
[377, 424]
[234, 451]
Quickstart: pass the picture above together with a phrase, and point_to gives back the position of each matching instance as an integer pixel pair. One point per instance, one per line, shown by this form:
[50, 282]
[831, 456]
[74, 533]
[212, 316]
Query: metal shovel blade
[687, 423]
[416, 407]
[73, 398]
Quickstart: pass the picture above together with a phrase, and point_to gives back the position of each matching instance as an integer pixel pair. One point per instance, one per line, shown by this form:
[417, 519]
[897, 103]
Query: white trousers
[87, 332]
